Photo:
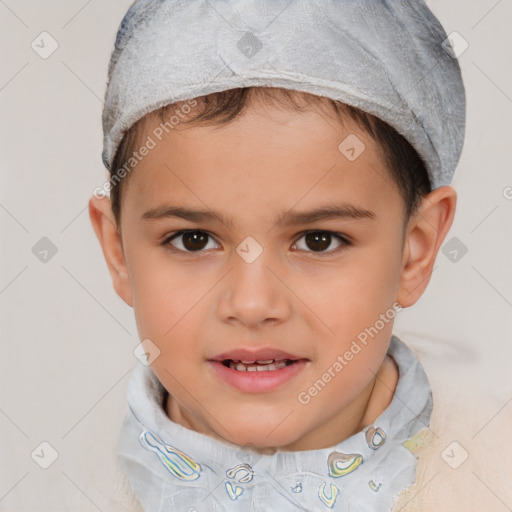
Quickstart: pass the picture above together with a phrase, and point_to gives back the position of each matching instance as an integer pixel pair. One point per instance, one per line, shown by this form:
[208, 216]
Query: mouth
[257, 371]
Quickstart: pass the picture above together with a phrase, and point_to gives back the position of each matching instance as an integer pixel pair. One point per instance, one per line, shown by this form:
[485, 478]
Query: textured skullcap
[386, 57]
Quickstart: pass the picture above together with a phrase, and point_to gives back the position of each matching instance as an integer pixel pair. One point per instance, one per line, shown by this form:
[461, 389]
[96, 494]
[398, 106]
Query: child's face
[198, 298]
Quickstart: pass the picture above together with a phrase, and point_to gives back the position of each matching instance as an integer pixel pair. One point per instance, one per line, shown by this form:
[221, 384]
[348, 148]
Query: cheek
[358, 294]
[359, 310]
[166, 299]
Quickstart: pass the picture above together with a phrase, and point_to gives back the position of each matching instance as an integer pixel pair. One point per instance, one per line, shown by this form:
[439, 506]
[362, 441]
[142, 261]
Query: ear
[425, 233]
[105, 227]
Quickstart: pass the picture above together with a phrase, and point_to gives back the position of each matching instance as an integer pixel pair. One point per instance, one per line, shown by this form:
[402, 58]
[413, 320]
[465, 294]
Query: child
[278, 193]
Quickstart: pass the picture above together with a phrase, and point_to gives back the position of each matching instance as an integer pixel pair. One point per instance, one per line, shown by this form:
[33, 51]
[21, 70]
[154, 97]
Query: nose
[254, 294]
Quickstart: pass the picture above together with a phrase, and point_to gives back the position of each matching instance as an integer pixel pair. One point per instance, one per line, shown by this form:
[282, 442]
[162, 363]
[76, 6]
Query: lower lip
[257, 382]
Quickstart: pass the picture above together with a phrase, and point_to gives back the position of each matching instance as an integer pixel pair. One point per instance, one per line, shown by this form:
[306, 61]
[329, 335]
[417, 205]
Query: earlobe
[425, 234]
[105, 227]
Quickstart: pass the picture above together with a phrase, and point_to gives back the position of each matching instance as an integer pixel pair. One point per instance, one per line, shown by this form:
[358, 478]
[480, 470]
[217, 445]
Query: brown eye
[191, 241]
[320, 241]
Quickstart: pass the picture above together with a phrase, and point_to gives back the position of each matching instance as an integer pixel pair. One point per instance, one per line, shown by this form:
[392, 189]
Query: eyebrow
[289, 218]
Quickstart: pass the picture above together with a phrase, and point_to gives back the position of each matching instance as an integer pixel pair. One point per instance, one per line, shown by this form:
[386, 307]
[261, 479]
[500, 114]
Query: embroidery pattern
[176, 462]
[242, 473]
[341, 464]
[375, 437]
[373, 486]
[328, 499]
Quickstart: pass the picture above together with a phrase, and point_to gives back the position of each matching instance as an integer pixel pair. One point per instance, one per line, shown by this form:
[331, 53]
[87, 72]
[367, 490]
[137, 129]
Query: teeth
[259, 366]
[259, 362]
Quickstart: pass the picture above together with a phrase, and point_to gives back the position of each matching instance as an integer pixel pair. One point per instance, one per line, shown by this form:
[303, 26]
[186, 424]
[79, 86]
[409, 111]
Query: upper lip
[262, 354]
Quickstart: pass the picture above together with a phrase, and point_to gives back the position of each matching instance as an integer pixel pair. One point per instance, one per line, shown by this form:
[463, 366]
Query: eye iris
[318, 241]
[194, 240]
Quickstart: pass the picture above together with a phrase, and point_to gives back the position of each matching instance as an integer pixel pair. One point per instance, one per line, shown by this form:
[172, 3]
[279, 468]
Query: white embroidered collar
[174, 468]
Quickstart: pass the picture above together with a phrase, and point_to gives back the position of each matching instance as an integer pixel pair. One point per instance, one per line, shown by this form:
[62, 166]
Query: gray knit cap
[390, 58]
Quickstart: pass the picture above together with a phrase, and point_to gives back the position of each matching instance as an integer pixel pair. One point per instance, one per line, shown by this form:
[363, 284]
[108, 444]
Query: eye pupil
[197, 240]
[318, 240]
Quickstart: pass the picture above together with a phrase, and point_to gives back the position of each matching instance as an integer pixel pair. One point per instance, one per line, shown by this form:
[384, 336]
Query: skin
[293, 297]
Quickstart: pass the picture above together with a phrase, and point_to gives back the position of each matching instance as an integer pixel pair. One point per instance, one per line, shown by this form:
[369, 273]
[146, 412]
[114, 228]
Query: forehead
[268, 158]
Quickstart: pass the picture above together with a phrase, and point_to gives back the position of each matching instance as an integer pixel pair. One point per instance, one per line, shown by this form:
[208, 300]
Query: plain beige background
[67, 340]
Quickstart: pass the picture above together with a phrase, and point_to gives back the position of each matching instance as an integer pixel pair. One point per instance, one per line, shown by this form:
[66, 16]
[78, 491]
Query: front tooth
[263, 361]
[251, 367]
[270, 367]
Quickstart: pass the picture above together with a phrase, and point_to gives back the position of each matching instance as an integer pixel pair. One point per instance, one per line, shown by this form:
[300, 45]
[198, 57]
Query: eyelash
[344, 241]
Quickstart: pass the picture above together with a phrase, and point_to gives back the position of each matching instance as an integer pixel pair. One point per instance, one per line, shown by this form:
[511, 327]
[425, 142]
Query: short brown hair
[406, 167]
